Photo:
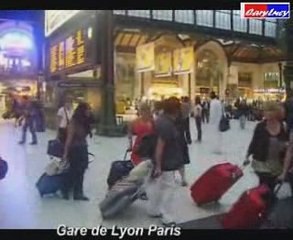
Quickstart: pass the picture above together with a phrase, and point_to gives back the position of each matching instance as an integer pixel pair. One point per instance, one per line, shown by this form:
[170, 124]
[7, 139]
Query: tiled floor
[21, 206]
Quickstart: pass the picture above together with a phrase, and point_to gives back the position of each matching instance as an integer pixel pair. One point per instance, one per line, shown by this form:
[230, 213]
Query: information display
[73, 51]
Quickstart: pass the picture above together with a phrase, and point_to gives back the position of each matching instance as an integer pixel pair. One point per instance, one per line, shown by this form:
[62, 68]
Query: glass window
[184, 16]
[239, 24]
[139, 13]
[223, 20]
[162, 15]
[270, 28]
[204, 18]
[119, 12]
[255, 26]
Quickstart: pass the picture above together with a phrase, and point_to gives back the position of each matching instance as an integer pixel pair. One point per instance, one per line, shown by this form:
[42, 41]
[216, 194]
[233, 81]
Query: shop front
[143, 57]
[151, 71]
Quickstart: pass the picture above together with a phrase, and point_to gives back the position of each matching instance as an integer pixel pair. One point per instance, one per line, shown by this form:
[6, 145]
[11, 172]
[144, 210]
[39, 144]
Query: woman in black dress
[184, 145]
[76, 152]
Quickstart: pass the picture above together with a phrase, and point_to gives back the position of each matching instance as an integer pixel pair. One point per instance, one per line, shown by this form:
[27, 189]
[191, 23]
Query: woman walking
[268, 148]
[142, 126]
[198, 118]
[76, 152]
[180, 125]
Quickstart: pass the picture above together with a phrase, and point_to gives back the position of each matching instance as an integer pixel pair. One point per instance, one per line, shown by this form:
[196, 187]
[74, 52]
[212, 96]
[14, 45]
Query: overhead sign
[145, 57]
[183, 60]
[56, 18]
[163, 64]
[72, 51]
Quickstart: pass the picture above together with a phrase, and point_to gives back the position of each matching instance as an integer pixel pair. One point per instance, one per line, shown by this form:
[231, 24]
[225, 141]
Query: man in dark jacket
[29, 114]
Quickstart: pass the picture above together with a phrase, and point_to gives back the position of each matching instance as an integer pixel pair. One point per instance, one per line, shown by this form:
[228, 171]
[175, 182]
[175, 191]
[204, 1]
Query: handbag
[55, 148]
[56, 167]
[224, 123]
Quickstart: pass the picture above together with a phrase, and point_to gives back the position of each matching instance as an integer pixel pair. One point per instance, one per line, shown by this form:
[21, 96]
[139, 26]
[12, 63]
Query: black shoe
[81, 198]
[33, 143]
[21, 142]
[65, 196]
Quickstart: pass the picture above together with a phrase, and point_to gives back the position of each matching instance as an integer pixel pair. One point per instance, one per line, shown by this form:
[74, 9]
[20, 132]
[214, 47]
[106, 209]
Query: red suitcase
[249, 211]
[213, 184]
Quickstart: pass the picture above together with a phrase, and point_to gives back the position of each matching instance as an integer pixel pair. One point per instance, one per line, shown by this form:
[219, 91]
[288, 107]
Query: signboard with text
[163, 64]
[183, 60]
[72, 52]
[145, 57]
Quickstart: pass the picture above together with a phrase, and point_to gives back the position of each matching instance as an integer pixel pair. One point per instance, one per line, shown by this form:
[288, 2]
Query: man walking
[216, 112]
[169, 158]
[29, 113]
[64, 115]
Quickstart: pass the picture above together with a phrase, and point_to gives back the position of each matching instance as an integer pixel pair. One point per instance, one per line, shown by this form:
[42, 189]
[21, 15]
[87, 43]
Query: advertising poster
[183, 60]
[163, 62]
[145, 57]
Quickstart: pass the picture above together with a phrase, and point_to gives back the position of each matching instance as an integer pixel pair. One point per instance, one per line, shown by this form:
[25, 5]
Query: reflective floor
[22, 207]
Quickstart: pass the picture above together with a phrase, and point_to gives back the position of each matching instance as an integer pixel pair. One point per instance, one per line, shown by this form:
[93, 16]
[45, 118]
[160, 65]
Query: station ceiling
[240, 51]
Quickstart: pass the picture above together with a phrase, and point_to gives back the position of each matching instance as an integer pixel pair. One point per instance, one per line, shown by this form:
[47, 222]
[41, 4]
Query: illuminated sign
[56, 18]
[73, 51]
[17, 48]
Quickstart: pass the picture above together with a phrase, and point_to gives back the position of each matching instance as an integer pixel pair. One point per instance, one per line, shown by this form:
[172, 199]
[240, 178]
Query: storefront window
[255, 26]
[139, 13]
[125, 75]
[223, 20]
[204, 18]
[270, 28]
[184, 16]
[162, 15]
[239, 24]
[245, 79]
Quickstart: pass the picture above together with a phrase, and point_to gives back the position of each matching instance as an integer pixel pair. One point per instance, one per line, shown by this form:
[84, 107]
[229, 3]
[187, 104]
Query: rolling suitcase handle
[126, 153]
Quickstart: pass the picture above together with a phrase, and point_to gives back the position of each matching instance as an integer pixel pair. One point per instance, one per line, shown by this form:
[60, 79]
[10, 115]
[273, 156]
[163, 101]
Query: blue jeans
[29, 123]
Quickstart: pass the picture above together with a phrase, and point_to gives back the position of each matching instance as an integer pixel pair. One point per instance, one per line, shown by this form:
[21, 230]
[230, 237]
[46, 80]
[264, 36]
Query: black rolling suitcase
[50, 184]
[118, 170]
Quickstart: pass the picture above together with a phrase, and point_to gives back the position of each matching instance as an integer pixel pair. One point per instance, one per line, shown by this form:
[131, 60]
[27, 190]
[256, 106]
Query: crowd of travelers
[270, 150]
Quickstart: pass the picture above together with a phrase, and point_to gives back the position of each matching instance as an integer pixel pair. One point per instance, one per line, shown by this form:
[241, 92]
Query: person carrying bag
[62, 131]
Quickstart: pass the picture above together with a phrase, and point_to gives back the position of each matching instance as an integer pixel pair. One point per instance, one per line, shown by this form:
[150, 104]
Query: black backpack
[147, 146]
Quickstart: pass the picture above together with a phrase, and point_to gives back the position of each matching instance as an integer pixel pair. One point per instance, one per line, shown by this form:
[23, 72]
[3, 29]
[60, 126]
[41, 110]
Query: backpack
[147, 146]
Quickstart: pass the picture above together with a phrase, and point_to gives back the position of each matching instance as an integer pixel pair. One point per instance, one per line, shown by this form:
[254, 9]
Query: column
[288, 68]
[107, 125]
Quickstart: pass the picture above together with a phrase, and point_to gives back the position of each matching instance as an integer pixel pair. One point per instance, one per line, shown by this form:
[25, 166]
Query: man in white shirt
[64, 116]
[216, 112]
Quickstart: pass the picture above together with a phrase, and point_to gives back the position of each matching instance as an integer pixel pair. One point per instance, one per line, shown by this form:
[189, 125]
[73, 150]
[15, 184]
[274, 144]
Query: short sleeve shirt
[172, 158]
[64, 121]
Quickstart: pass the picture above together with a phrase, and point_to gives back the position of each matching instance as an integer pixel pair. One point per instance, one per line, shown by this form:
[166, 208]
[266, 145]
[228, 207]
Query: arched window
[204, 18]
[184, 16]
[239, 24]
[255, 26]
[162, 15]
[270, 27]
[140, 13]
[223, 19]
